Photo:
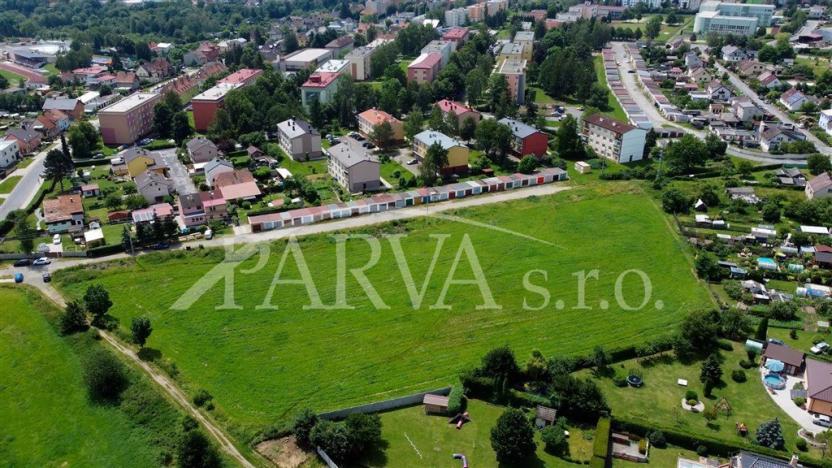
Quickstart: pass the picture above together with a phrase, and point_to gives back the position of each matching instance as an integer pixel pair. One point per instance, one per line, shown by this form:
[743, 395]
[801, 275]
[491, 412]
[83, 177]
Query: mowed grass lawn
[659, 401]
[47, 418]
[416, 439]
[264, 365]
[9, 183]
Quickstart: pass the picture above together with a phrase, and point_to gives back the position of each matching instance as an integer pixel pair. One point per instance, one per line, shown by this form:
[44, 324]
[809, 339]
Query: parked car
[776, 341]
[160, 246]
[819, 348]
[208, 234]
[822, 420]
[22, 262]
[47, 277]
[41, 261]
[413, 162]
[56, 239]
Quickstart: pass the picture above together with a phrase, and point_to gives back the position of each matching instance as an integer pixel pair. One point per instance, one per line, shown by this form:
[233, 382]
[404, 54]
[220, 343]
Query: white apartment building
[825, 121]
[9, 152]
[732, 18]
[455, 17]
[611, 139]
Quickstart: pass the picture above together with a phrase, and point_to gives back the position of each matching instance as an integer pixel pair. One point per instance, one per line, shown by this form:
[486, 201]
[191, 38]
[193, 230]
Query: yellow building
[137, 160]
[457, 152]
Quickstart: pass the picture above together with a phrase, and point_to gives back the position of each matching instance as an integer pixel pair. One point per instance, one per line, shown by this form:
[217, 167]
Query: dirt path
[167, 385]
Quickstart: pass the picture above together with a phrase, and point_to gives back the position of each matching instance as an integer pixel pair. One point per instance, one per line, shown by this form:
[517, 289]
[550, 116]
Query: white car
[56, 239]
[819, 348]
[41, 261]
[822, 420]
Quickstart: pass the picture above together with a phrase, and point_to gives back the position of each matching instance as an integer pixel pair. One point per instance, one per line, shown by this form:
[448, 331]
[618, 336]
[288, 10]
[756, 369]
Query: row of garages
[634, 113]
[668, 110]
[392, 201]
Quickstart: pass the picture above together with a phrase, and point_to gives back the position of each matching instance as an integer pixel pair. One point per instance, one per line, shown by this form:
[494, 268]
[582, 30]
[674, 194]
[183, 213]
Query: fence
[385, 405]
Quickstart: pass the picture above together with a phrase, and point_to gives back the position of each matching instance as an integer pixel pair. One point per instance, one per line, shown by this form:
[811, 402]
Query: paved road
[772, 109]
[27, 188]
[167, 385]
[638, 94]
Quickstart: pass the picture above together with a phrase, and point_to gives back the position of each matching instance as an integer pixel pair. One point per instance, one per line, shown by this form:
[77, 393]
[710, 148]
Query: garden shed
[435, 404]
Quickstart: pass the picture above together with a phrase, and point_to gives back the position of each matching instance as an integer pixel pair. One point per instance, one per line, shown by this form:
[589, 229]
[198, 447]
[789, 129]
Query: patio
[783, 399]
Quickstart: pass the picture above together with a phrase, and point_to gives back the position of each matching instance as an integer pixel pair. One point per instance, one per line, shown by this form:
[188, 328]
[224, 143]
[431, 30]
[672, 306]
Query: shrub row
[90, 162]
[692, 441]
[528, 400]
[456, 399]
[105, 250]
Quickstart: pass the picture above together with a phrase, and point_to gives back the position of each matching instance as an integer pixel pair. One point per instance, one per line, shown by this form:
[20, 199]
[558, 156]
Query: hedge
[105, 250]
[529, 400]
[691, 441]
[456, 399]
[90, 162]
[601, 444]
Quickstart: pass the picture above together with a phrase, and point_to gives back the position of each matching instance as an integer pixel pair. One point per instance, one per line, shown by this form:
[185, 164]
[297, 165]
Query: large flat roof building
[742, 19]
[305, 58]
[127, 120]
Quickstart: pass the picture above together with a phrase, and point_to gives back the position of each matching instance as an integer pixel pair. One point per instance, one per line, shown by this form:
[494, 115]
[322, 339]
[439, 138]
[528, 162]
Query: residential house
[457, 151]
[202, 150]
[9, 153]
[236, 185]
[755, 460]
[825, 121]
[27, 138]
[744, 109]
[368, 120]
[340, 45]
[139, 160]
[459, 110]
[197, 209]
[735, 54]
[352, 166]
[769, 80]
[299, 140]
[526, 139]
[155, 212]
[699, 75]
[751, 68]
[126, 81]
[819, 187]
[792, 358]
[675, 44]
[823, 256]
[774, 136]
[64, 214]
[52, 123]
[72, 107]
[819, 387]
[153, 186]
[216, 167]
[154, 71]
[612, 139]
[206, 52]
[718, 91]
[793, 99]
[692, 60]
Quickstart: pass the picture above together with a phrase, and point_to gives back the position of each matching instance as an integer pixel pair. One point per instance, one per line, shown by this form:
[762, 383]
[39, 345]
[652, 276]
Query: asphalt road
[27, 188]
[631, 82]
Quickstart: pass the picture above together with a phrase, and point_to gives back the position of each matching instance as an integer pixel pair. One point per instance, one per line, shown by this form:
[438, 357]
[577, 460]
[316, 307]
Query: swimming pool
[767, 263]
[774, 381]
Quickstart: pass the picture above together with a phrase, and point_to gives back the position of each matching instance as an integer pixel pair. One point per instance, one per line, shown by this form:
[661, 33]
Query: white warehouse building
[732, 18]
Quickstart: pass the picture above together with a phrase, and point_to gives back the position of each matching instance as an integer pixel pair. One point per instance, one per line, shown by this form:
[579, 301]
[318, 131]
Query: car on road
[160, 246]
[822, 420]
[41, 261]
[47, 278]
[819, 347]
[23, 262]
[413, 162]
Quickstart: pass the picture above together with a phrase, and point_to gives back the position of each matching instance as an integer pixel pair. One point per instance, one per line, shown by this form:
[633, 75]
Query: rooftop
[426, 60]
[295, 127]
[609, 124]
[321, 79]
[307, 55]
[350, 152]
[62, 208]
[429, 137]
[131, 102]
[241, 76]
[376, 116]
[513, 67]
[518, 129]
[216, 93]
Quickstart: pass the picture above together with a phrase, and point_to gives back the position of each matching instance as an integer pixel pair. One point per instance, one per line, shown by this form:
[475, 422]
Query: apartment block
[515, 72]
[206, 104]
[455, 17]
[611, 139]
[128, 120]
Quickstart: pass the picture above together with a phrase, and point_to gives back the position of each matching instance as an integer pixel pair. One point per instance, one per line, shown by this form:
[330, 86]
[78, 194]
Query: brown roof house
[819, 387]
[819, 187]
[237, 185]
[69, 106]
[64, 214]
[792, 358]
[823, 256]
[435, 404]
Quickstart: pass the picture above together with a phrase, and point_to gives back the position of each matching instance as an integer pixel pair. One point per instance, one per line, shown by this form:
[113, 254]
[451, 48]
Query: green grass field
[9, 183]
[416, 439]
[616, 112]
[12, 78]
[659, 401]
[264, 365]
[47, 418]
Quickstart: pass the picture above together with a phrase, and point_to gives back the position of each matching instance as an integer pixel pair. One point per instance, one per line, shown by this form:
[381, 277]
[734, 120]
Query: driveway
[178, 172]
[29, 184]
[403, 156]
[783, 399]
[772, 109]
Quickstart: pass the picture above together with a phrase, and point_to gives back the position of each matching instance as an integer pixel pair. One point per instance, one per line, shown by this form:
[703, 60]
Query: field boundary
[385, 405]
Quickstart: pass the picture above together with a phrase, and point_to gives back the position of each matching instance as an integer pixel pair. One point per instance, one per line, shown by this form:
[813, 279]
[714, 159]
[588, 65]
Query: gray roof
[215, 163]
[149, 177]
[61, 104]
[350, 152]
[196, 144]
[519, 129]
[429, 137]
[754, 460]
[23, 133]
[293, 128]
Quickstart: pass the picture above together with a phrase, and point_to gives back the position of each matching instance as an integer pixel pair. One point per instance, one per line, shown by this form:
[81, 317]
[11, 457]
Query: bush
[332, 438]
[657, 439]
[202, 396]
[555, 440]
[702, 450]
[302, 427]
[746, 364]
[512, 438]
[456, 399]
[105, 376]
[799, 401]
[738, 376]
[196, 451]
[364, 432]
[801, 444]
[691, 395]
[692, 402]
[619, 381]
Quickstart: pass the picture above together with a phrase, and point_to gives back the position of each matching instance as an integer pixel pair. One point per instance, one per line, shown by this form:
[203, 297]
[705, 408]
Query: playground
[416, 439]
